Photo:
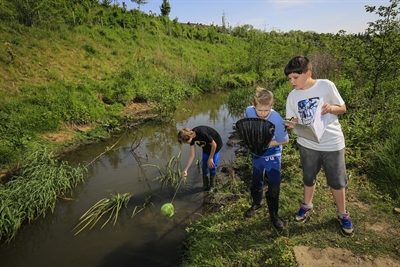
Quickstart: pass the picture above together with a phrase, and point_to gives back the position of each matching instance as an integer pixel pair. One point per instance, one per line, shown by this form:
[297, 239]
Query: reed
[170, 174]
[41, 180]
[111, 206]
[138, 209]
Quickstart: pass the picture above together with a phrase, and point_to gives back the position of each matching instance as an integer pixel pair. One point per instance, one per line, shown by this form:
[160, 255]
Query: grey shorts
[333, 163]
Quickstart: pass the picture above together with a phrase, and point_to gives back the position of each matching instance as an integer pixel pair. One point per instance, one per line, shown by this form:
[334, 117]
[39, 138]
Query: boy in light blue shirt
[267, 165]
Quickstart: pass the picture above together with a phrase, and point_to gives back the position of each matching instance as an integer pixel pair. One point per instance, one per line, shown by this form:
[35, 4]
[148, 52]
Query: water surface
[148, 239]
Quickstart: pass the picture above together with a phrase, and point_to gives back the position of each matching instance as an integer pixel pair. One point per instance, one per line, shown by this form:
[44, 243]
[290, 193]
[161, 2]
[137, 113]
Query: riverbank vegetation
[77, 67]
[228, 238]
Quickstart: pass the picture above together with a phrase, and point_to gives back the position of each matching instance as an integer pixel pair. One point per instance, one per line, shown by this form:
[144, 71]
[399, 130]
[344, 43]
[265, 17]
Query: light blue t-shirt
[280, 134]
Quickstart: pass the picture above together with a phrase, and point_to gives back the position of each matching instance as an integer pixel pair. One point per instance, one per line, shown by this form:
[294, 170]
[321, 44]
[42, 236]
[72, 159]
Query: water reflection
[161, 141]
[148, 239]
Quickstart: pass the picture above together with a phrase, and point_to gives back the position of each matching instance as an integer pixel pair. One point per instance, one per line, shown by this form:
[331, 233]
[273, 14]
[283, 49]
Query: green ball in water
[167, 210]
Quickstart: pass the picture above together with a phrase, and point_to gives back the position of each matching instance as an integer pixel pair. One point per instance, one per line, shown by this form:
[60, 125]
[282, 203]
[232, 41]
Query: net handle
[176, 190]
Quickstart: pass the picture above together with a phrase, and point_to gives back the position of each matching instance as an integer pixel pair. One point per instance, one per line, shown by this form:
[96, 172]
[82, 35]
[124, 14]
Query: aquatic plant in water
[170, 174]
[40, 181]
[104, 206]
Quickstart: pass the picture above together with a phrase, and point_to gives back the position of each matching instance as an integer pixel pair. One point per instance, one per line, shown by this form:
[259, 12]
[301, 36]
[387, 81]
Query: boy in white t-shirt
[329, 152]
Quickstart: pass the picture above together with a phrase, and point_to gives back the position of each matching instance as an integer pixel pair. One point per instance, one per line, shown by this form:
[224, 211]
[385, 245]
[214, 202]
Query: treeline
[55, 15]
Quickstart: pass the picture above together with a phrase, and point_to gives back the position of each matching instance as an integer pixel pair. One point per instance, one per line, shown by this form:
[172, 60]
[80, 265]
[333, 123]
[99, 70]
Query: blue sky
[321, 16]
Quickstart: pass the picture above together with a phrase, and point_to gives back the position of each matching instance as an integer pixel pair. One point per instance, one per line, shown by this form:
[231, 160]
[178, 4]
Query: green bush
[384, 163]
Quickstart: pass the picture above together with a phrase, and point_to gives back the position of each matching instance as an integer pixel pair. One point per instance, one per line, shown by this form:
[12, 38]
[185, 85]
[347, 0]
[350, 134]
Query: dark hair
[299, 65]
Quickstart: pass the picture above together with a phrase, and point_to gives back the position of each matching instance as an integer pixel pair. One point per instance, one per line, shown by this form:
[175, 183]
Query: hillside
[90, 75]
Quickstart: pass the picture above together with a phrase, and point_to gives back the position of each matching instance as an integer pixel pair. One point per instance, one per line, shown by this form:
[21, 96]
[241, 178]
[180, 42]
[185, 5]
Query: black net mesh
[256, 134]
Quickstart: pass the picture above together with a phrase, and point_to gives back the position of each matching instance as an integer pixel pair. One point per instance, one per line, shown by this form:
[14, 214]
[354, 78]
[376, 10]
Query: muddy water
[147, 239]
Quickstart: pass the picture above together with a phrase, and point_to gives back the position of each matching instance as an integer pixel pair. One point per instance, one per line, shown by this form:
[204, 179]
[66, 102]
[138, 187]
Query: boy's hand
[326, 108]
[210, 163]
[289, 124]
[184, 174]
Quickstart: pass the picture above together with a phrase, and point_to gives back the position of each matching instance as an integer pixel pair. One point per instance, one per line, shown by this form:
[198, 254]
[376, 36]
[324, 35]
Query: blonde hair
[185, 134]
[263, 97]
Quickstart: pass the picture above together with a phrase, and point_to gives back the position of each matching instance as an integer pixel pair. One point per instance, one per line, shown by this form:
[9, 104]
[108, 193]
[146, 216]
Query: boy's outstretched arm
[190, 161]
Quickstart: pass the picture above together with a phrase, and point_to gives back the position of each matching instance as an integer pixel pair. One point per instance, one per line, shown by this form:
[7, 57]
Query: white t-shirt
[301, 104]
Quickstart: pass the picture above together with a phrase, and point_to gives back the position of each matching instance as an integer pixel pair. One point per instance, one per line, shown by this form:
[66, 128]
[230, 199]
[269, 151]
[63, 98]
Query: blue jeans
[267, 165]
[204, 166]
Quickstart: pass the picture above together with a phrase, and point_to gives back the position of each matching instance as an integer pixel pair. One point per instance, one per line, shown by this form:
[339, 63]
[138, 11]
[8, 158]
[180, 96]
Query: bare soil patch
[137, 110]
[133, 111]
[60, 137]
[321, 257]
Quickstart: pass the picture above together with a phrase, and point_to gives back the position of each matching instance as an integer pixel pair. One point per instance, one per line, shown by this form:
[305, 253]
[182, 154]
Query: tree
[106, 3]
[140, 2]
[373, 61]
[259, 52]
[382, 45]
[242, 31]
[165, 8]
[26, 12]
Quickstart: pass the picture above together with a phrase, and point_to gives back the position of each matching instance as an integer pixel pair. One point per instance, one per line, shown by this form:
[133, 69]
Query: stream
[148, 238]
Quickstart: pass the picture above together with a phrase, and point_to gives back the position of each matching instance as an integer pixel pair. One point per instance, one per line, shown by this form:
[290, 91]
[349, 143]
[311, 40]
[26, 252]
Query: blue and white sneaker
[345, 224]
[304, 212]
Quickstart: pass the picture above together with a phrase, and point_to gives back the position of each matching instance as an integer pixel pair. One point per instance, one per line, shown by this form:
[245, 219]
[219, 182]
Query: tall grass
[31, 193]
[170, 174]
[110, 206]
[239, 99]
[385, 163]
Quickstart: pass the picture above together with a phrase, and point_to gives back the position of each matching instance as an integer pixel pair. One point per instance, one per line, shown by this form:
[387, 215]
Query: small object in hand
[167, 210]
[396, 210]
[291, 121]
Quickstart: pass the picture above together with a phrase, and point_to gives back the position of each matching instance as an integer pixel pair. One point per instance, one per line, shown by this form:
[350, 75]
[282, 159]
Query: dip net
[256, 134]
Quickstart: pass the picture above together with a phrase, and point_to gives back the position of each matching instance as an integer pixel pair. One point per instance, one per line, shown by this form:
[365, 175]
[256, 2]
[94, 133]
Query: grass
[31, 193]
[227, 238]
[110, 206]
[170, 174]
[385, 164]
[88, 75]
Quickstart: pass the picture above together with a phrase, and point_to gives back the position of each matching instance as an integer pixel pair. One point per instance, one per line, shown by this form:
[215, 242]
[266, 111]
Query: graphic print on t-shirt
[201, 143]
[307, 109]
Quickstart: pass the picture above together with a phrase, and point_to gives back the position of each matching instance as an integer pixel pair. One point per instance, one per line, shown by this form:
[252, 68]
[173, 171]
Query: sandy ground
[318, 257]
